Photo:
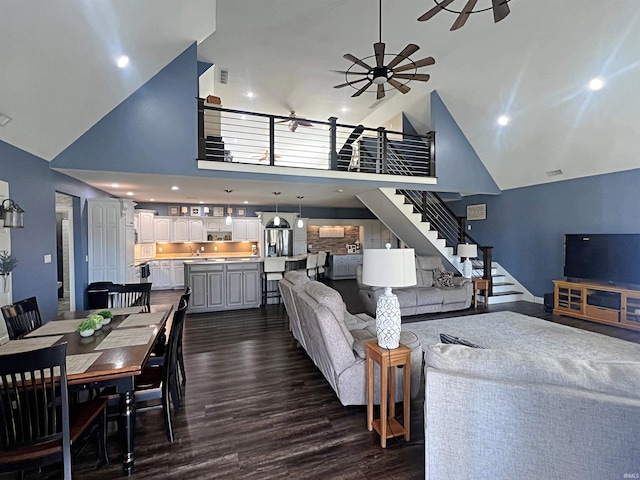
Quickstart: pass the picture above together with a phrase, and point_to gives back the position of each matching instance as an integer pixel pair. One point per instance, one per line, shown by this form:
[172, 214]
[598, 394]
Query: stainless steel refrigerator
[278, 242]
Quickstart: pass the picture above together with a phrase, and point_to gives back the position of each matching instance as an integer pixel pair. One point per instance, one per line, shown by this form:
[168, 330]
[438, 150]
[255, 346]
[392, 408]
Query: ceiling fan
[391, 73]
[499, 7]
[295, 122]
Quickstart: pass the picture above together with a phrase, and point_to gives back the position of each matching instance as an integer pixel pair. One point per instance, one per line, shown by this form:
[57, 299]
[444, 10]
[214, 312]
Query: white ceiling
[57, 76]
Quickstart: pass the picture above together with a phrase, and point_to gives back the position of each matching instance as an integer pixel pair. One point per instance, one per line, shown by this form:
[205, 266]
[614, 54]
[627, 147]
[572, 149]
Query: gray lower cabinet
[344, 266]
[223, 286]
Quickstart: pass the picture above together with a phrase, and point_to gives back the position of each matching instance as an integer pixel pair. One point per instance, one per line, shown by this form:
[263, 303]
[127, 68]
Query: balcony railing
[226, 135]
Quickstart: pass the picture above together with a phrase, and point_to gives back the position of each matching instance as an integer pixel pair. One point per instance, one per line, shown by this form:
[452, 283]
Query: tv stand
[598, 303]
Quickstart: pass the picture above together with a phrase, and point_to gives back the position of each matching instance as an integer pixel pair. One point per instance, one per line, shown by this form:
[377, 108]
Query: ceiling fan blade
[464, 15]
[305, 123]
[350, 83]
[421, 77]
[356, 60]
[500, 10]
[417, 64]
[407, 52]
[378, 48]
[380, 93]
[399, 86]
[363, 89]
[435, 10]
[345, 72]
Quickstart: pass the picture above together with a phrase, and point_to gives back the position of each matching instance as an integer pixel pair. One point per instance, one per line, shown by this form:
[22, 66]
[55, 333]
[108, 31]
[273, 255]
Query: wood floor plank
[256, 407]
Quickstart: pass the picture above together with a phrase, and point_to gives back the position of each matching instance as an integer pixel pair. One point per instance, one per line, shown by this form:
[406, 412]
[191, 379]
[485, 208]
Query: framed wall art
[218, 211]
[241, 212]
[195, 211]
[174, 210]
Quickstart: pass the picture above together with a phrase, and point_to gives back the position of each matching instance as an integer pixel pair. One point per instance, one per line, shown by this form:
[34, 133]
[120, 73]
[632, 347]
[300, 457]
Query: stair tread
[501, 284]
[509, 292]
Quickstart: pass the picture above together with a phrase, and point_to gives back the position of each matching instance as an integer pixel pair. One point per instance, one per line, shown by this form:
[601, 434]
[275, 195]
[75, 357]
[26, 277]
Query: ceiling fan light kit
[382, 73]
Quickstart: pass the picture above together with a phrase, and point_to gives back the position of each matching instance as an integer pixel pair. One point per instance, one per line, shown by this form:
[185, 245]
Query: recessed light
[201, 202]
[503, 120]
[596, 83]
[129, 193]
[250, 94]
[344, 109]
[245, 202]
[115, 185]
[340, 190]
[152, 199]
[122, 61]
[175, 187]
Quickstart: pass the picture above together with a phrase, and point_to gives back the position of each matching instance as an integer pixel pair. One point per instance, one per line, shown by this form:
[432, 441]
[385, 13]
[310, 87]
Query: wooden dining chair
[157, 386]
[130, 295]
[22, 317]
[38, 425]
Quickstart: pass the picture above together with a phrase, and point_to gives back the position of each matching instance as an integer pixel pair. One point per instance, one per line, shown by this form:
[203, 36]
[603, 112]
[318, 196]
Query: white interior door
[5, 245]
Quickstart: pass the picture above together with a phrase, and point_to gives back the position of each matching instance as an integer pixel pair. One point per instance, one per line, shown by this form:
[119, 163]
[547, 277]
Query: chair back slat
[22, 317]
[130, 295]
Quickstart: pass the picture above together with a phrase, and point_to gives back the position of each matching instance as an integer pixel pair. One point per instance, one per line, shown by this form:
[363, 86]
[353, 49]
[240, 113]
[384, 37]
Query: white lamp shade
[467, 250]
[394, 267]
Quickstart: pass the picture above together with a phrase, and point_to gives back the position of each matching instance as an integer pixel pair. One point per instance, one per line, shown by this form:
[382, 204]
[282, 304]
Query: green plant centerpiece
[87, 326]
[106, 316]
[99, 319]
[7, 263]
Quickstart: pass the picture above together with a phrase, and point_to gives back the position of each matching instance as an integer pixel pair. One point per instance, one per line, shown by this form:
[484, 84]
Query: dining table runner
[126, 338]
[142, 319]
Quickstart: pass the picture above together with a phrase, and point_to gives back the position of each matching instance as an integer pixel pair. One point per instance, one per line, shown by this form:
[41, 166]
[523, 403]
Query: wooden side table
[387, 426]
[480, 284]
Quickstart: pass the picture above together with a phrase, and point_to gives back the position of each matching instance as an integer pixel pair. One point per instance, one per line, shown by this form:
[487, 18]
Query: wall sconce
[184, 210]
[11, 214]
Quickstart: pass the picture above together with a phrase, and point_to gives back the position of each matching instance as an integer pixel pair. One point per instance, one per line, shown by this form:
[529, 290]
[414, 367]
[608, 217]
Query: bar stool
[273, 270]
[312, 263]
[322, 259]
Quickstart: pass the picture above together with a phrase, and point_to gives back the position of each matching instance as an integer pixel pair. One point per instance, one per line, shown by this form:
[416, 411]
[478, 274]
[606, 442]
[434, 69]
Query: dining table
[111, 358]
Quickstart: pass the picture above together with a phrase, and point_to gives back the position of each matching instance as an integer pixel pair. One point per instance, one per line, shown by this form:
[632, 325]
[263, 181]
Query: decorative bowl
[86, 333]
[106, 316]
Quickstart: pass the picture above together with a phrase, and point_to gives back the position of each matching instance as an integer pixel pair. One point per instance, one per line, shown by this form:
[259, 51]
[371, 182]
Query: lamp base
[388, 320]
[467, 268]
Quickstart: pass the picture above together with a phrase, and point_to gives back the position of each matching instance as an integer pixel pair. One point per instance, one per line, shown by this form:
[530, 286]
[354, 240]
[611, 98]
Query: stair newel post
[487, 260]
[382, 151]
[431, 136]
[333, 143]
[423, 207]
[272, 141]
[201, 141]
[462, 228]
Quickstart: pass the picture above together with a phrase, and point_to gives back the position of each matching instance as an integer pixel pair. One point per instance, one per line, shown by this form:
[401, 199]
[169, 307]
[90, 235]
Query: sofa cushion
[452, 294]
[429, 262]
[406, 296]
[428, 296]
[332, 300]
[613, 378]
[424, 278]
[442, 278]
[296, 277]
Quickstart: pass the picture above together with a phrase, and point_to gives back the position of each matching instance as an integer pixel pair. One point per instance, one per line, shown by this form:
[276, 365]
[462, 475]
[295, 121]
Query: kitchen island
[223, 283]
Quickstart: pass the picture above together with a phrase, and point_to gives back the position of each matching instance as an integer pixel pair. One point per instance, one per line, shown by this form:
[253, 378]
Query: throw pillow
[442, 278]
[444, 338]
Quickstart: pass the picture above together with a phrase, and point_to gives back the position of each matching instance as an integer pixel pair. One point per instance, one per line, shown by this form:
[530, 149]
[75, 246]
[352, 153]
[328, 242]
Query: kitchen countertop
[218, 260]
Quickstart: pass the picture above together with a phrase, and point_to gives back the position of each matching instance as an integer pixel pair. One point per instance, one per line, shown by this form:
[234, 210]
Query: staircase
[430, 230]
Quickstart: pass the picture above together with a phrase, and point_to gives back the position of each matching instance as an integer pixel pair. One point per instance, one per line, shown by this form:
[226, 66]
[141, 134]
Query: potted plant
[7, 263]
[99, 319]
[87, 327]
[106, 316]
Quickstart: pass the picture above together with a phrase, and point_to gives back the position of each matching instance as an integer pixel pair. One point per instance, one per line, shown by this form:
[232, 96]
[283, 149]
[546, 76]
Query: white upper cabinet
[188, 230]
[246, 229]
[145, 226]
[162, 229]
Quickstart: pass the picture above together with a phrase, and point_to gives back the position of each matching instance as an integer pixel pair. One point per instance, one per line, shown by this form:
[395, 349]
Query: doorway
[65, 253]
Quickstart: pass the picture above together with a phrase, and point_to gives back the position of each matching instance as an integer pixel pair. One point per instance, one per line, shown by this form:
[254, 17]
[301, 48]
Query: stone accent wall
[335, 246]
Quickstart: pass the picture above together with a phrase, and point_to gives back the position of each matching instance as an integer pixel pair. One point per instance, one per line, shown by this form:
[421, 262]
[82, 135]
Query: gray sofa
[424, 297]
[542, 401]
[334, 339]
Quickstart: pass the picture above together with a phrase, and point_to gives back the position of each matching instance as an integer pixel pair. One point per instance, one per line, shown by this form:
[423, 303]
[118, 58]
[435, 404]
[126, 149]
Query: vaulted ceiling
[58, 77]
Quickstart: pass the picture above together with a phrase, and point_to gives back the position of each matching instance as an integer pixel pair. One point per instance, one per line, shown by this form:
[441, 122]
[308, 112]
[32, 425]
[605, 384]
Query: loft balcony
[258, 143]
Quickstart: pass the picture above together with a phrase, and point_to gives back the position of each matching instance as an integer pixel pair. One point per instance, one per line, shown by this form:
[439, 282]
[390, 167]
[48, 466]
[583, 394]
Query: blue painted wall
[153, 131]
[458, 167]
[526, 225]
[32, 184]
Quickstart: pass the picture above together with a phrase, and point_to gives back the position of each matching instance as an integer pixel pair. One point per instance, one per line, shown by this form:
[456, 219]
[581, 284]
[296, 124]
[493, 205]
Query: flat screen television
[607, 258]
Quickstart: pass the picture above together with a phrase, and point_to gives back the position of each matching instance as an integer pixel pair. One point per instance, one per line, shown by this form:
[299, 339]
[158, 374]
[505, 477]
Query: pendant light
[276, 219]
[228, 221]
[300, 221]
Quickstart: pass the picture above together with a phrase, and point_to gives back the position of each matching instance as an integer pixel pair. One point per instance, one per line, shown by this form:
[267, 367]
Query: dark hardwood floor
[256, 407]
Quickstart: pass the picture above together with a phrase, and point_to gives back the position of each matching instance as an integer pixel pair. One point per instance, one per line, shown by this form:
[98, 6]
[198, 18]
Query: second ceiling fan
[392, 73]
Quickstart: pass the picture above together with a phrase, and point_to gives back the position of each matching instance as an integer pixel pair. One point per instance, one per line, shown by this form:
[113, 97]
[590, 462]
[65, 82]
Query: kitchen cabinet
[161, 276]
[300, 238]
[246, 230]
[223, 285]
[217, 225]
[188, 230]
[162, 229]
[111, 241]
[344, 266]
[177, 273]
[144, 223]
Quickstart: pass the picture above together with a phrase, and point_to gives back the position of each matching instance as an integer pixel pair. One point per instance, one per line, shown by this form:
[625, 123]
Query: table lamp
[467, 251]
[388, 268]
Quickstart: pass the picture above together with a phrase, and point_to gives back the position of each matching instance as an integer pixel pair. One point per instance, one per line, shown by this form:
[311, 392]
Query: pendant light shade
[228, 221]
[276, 219]
[300, 222]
